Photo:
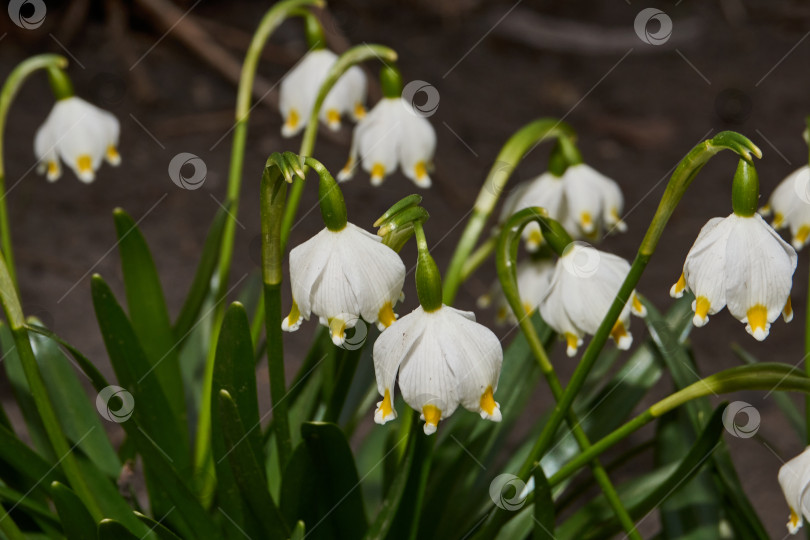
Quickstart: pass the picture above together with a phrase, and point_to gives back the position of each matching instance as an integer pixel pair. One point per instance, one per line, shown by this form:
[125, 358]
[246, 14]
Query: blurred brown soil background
[638, 109]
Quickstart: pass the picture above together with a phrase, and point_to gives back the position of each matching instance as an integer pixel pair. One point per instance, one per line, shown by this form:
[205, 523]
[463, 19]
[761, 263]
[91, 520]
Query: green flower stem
[47, 413]
[270, 21]
[681, 178]
[61, 86]
[279, 171]
[428, 279]
[751, 377]
[10, 88]
[518, 145]
[506, 259]
[477, 258]
[745, 190]
[353, 56]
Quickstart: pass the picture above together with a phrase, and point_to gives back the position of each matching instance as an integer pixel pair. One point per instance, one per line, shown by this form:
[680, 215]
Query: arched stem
[10, 89]
[518, 145]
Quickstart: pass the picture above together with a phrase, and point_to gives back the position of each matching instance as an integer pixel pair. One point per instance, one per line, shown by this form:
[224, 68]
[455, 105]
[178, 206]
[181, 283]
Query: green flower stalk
[506, 260]
[53, 64]
[270, 21]
[280, 170]
[520, 144]
[350, 58]
[39, 393]
[681, 179]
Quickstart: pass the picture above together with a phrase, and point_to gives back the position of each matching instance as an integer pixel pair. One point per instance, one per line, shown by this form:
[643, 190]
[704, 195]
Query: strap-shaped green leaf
[685, 373]
[643, 494]
[246, 470]
[201, 284]
[109, 529]
[76, 521]
[194, 518]
[234, 372]
[22, 394]
[149, 316]
[136, 374]
[543, 506]
[76, 413]
[162, 532]
[339, 491]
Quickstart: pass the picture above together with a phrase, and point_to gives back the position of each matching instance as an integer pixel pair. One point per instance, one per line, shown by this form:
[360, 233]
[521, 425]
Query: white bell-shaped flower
[392, 135]
[790, 204]
[794, 478]
[444, 358]
[80, 134]
[299, 90]
[343, 276]
[742, 263]
[583, 200]
[533, 279]
[582, 289]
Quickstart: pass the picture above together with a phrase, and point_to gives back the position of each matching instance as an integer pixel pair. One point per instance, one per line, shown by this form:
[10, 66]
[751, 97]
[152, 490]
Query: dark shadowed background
[638, 108]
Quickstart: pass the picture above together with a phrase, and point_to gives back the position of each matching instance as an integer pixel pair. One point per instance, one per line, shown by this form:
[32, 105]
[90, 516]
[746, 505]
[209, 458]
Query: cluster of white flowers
[393, 134]
[299, 90]
[443, 357]
[583, 200]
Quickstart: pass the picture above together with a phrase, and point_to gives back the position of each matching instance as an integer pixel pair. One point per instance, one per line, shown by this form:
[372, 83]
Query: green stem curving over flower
[268, 24]
[515, 149]
[15, 80]
[680, 180]
[506, 262]
[353, 56]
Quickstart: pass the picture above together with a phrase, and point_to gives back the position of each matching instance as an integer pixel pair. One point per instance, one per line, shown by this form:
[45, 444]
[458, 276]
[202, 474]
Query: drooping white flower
[582, 289]
[533, 279]
[790, 204]
[80, 134]
[444, 359]
[342, 276]
[392, 135]
[583, 200]
[794, 478]
[742, 263]
[299, 90]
